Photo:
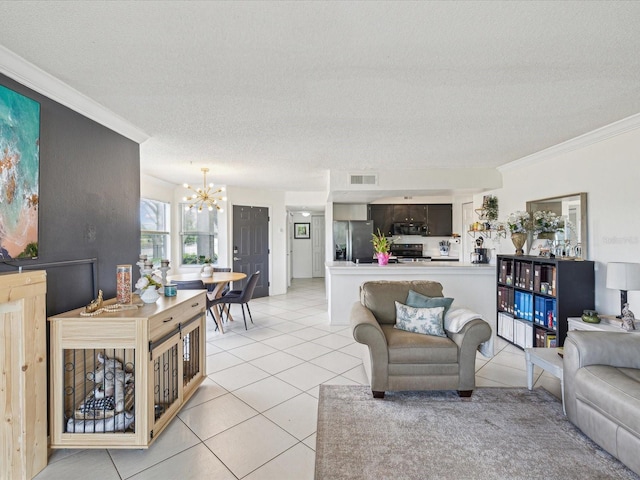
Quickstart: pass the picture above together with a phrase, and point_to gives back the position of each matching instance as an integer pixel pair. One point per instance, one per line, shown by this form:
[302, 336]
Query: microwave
[409, 229]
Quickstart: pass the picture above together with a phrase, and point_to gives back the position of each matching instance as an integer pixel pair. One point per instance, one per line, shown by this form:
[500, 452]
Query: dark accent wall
[89, 203]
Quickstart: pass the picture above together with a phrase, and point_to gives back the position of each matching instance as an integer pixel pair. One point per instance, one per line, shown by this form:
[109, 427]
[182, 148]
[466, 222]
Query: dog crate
[99, 390]
[118, 379]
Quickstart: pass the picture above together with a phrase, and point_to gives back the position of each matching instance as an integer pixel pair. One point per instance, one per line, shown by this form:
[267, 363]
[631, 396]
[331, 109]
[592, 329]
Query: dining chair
[226, 289]
[189, 285]
[195, 285]
[241, 297]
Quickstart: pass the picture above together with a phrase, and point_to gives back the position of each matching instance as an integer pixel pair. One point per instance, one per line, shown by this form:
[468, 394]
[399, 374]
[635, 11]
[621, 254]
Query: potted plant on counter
[381, 245]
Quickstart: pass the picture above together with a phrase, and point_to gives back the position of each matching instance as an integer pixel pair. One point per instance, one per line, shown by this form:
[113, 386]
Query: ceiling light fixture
[205, 196]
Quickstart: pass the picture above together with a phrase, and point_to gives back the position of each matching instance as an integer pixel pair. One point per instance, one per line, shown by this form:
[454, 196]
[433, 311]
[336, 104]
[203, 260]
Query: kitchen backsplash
[430, 244]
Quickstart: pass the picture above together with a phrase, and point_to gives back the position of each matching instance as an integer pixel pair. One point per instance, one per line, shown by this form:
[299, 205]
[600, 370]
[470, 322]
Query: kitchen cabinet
[409, 213]
[23, 383]
[161, 350]
[436, 217]
[382, 216]
[439, 219]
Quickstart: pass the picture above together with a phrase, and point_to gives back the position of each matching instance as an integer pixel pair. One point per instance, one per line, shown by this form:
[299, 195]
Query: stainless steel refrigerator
[352, 240]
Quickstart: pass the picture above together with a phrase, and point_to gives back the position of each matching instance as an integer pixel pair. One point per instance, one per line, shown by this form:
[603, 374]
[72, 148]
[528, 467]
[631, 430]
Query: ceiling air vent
[360, 179]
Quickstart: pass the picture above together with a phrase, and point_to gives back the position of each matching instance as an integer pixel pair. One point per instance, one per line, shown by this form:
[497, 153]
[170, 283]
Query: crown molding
[36, 79]
[598, 135]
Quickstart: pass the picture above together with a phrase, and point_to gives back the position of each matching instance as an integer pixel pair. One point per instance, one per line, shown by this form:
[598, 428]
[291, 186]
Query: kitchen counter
[471, 285]
[344, 265]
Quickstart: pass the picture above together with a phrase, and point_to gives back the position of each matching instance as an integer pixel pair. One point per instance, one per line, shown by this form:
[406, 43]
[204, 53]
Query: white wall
[155, 189]
[301, 252]
[609, 172]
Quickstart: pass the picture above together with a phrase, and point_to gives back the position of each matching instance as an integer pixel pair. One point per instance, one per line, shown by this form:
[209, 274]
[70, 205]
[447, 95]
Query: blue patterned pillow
[415, 299]
[428, 321]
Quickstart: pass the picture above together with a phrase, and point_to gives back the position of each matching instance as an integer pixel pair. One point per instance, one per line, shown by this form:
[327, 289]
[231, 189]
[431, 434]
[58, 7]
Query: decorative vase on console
[519, 224]
[519, 239]
[381, 245]
[148, 286]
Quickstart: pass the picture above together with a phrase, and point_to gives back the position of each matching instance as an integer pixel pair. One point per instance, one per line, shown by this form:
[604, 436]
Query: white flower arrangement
[519, 222]
[147, 281]
[545, 221]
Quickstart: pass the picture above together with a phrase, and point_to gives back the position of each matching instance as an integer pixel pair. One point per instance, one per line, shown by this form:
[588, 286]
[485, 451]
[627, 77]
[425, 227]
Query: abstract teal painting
[19, 175]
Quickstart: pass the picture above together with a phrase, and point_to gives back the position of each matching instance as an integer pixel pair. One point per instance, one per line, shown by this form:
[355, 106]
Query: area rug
[499, 433]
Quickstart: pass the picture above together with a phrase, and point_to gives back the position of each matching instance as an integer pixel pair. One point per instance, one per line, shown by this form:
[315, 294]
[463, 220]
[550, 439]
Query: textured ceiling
[274, 94]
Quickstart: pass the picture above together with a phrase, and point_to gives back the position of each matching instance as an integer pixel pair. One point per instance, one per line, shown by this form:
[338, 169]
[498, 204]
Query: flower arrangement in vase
[148, 286]
[381, 245]
[545, 224]
[519, 224]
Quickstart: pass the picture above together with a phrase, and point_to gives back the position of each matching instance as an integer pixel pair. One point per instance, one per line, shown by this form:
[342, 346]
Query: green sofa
[396, 360]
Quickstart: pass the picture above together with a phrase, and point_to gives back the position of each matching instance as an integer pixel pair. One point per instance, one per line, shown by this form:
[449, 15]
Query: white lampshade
[623, 276]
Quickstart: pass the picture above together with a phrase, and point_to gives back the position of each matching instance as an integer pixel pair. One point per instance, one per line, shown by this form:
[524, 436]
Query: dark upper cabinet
[439, 220]
[382, 216]
[409, 213]
[437, 217]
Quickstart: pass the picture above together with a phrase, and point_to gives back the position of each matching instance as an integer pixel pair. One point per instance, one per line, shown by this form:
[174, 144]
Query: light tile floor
[255, 415]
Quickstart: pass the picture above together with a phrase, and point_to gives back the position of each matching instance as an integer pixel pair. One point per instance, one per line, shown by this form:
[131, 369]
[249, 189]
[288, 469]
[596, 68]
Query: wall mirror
[574, 207]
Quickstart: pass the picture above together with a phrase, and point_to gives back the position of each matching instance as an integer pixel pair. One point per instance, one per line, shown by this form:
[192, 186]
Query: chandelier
[205, 196]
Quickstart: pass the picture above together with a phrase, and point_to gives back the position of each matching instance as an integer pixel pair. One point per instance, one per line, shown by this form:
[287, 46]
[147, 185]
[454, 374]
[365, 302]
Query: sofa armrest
[366, 329]
[582, 348]
[617, 349]
[468, 339]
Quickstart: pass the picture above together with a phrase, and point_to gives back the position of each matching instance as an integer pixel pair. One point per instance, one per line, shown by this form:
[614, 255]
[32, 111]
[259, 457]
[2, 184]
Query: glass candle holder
[123, 283]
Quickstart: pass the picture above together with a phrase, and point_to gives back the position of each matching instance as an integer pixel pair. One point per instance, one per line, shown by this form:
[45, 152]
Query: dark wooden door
[251, 246]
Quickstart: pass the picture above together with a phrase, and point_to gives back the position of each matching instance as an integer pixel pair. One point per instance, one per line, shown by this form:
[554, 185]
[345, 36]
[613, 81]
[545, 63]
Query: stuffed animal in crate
[110, 379]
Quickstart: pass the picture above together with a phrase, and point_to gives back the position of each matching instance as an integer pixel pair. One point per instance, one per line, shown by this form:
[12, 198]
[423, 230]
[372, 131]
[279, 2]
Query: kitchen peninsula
[471, 285]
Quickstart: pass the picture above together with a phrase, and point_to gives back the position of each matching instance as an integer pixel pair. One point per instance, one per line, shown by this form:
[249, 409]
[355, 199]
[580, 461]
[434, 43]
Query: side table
[607, 324]
[547, 359]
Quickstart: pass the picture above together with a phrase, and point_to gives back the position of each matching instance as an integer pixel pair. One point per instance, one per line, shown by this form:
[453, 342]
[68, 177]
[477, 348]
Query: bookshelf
[536, 296]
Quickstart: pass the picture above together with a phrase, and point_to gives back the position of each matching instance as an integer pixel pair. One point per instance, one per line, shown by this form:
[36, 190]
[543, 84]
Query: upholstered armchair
[397, 360]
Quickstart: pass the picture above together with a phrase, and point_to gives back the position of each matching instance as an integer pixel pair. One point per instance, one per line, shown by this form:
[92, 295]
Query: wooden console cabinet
[162, 349]
[23, 374]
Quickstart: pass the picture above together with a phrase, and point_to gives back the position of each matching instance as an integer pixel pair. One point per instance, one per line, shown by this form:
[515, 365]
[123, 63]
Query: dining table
[215, 284]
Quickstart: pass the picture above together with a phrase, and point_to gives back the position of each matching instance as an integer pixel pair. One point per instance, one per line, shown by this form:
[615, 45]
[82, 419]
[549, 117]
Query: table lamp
[624, 277]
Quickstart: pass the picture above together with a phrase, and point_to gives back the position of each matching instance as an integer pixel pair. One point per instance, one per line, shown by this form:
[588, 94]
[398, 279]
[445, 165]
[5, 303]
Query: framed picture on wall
[19, 175]
[301, 230]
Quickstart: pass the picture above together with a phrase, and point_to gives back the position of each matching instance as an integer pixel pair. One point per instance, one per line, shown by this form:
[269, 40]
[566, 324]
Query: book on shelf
[550, 341]
[537, 275]
[505, 326]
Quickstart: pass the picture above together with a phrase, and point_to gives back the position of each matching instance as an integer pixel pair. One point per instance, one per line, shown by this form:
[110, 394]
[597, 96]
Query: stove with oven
[409, 252]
